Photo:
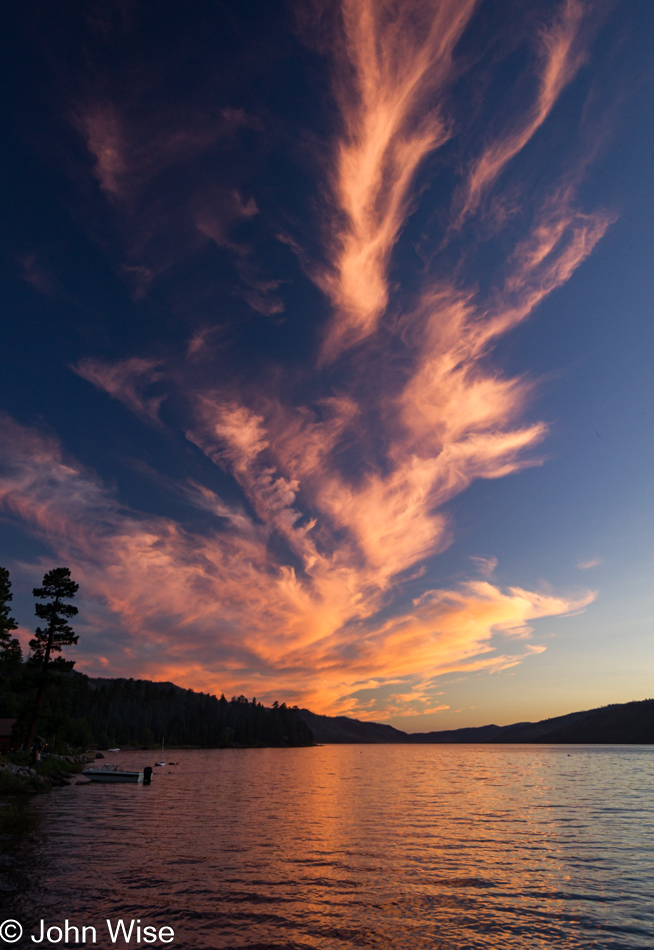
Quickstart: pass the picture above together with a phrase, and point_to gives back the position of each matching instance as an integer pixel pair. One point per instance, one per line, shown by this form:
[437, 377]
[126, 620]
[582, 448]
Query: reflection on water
[449, 847]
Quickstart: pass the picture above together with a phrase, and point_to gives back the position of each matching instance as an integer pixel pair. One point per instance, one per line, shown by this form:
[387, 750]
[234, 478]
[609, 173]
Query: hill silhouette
[620, 723]
[83, 711]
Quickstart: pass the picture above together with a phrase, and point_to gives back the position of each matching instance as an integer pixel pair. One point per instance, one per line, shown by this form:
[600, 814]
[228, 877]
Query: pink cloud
[393, 63]
[127, 381]
[218, 611]
[562, 52]
[133, 161]
[104, 136]
[590, 563]
[301, 588]
[561, 239]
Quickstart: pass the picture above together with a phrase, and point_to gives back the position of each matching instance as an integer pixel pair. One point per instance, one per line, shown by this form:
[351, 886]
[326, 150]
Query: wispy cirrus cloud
[395, 66]
[215, 610]
[105, 140]
[560, 240]
[129, 155]
[306, 587]
[590, 563]
[127, 381]
[561, 51]
[157, 173]
[485, 565]
[395, 62]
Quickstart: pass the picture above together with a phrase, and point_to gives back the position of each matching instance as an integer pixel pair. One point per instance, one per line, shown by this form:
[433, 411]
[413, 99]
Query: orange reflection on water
[411, 847]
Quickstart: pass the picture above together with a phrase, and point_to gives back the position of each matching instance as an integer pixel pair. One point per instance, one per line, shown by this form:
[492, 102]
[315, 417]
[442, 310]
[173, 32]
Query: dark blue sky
[327, 347]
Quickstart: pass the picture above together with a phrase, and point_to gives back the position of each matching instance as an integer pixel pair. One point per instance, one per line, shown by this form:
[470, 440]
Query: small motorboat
[113, 750]
[111, 773]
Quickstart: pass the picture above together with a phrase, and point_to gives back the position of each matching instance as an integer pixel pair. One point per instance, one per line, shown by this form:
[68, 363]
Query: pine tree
[10, 651]
[57, 588]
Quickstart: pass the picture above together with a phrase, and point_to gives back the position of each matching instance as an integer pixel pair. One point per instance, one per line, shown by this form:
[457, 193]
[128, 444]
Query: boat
[113, 750]
[161, 762]
[111, 773]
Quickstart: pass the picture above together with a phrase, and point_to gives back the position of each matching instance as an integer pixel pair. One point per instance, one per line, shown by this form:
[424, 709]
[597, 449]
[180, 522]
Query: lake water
[351, 847]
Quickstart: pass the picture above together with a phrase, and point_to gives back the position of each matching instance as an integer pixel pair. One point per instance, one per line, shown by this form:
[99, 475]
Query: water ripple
[414, 848]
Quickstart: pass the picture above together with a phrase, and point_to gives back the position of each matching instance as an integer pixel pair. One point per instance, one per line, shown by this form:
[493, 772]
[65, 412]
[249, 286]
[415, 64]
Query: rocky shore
[55, 771]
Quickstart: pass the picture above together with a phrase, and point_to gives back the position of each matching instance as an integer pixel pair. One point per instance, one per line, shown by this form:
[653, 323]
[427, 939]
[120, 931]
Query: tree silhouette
[10, 651]
[57, 588]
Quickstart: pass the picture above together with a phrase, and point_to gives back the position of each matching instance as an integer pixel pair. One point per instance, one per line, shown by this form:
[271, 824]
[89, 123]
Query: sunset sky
[327, 348]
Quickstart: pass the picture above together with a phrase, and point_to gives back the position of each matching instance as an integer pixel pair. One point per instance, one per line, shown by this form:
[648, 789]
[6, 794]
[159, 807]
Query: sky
[326, 348]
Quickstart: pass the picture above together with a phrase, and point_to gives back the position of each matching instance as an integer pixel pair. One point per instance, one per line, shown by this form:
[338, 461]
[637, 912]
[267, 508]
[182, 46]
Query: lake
[446, 847]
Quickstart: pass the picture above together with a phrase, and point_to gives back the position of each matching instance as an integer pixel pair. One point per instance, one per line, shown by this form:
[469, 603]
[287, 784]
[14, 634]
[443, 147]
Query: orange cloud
[217, 611]
[562, 53]
[451, 421]
[394, 62]
[558, 243]
[299, 590]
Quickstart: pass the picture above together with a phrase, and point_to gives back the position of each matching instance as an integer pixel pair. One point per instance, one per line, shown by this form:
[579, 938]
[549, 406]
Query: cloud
[485, 565]
[305, 587]
[591, 562]
[561, 239]
[33, 273]
[448, 419]
[394, 66]
[218, 610]
[102, 130]
[259, 292]
[451, 630]
[217, 217]
[128, 381]
[160, 173]
[394, 61]
[129, 154]
[324, 614]
[561, 52]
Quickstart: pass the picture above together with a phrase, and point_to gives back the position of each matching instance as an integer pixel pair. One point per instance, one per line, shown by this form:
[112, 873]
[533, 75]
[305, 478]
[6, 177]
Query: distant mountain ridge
[620, 723]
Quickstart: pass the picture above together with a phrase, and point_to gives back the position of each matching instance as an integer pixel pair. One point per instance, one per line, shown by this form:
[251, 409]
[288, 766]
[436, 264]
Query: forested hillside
[81, 712]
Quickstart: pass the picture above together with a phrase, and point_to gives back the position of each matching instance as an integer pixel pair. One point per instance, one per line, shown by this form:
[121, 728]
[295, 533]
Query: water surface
[349, 847]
